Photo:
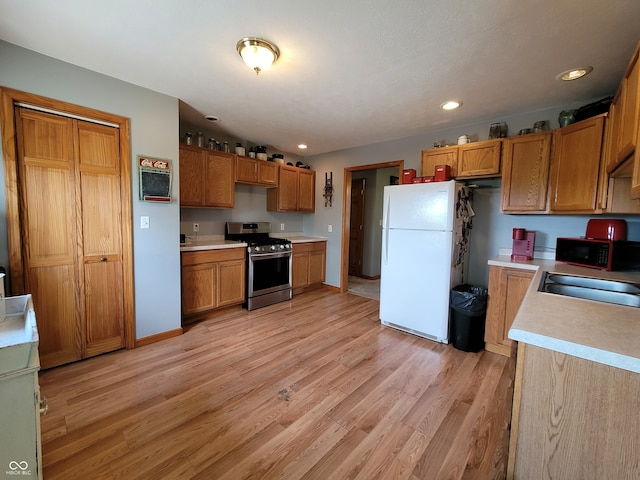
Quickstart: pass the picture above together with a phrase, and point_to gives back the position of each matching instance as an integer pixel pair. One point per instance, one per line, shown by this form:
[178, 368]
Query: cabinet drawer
[309, 247]
[211, 256]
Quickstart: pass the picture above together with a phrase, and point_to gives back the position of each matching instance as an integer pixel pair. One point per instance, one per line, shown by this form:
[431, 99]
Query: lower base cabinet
[212, 279]
[507, 287]
[573, 418]
[308, 265]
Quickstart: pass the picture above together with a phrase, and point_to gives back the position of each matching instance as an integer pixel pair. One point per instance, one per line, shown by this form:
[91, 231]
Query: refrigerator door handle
[385, 229]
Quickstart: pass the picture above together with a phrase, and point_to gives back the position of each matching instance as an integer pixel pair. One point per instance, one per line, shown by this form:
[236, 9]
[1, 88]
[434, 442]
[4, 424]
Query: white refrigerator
[425, 233]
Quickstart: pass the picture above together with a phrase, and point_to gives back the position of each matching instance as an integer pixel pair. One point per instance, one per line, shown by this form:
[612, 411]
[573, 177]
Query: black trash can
[468, 308]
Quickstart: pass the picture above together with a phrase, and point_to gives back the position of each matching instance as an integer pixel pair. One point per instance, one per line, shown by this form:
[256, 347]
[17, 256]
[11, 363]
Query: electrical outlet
[282, 226]
[196, 227]
[330, 228]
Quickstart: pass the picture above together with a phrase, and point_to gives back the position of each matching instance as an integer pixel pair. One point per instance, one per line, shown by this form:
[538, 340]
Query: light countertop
[597, 331]
[216, 242]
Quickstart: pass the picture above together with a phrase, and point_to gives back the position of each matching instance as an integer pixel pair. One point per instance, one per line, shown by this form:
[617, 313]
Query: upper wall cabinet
[525, 173]
[471, 160]
[575, 166]
[206, 178]
[296, 191]
[629, 105]
[256, 172]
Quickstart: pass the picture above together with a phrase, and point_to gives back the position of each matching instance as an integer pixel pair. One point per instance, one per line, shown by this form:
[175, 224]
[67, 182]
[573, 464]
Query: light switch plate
[144, 222]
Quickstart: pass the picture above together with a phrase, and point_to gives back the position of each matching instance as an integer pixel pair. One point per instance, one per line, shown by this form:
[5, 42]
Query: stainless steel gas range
[268, 263]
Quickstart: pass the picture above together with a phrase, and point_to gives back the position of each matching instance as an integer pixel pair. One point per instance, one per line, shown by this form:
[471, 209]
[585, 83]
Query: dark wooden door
[356, 236]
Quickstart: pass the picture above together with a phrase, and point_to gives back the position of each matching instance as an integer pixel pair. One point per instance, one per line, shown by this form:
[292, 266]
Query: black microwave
[602, 254]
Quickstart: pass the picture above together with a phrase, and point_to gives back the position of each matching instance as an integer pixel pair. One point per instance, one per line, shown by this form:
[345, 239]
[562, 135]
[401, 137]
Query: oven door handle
[270, 255]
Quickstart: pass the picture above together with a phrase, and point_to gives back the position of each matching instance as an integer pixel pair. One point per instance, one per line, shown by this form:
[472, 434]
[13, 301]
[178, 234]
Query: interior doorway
[356, 234]
[349, 174]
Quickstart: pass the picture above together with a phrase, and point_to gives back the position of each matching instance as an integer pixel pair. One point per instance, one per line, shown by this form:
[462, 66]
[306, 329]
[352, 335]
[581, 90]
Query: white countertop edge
[193, 247]
[306, 239]
[576, 350]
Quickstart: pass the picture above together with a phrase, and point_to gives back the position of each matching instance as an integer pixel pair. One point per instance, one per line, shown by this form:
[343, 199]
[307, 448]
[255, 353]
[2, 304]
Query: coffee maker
[523, 242]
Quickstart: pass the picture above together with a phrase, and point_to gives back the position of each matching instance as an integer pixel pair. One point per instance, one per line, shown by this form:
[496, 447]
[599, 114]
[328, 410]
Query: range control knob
[273, 247]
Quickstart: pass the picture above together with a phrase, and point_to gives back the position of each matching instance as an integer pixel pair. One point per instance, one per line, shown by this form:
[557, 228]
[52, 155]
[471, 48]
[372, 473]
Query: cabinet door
[507, 287]
[246, 170]
[231, 289]
[288, 189]
[439, 156]
[306, 191]
[317, 263]
[612, 134]
[299, 269]
[479, 159]
[199, 286]
[191, 176]
[576, 166]
[629, 111]
[267, 173]
[220, 173]
[525, 173]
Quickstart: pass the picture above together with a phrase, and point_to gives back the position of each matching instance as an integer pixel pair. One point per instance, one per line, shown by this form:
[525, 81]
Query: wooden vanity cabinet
[206, 178]
[507, 288]
[526, 161]
[212, 279]
[575, 167]
[308, 265]
[296, 190]
[256, 172]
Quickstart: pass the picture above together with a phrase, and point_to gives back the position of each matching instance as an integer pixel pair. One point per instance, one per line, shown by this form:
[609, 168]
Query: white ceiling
[351, 72]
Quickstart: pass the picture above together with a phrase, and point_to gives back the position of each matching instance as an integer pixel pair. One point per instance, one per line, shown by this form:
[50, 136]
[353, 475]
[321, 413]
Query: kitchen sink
[588, 288]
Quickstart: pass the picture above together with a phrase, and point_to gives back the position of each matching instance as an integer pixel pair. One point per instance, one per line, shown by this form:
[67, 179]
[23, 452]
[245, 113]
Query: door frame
[346, 214]
[8, 98]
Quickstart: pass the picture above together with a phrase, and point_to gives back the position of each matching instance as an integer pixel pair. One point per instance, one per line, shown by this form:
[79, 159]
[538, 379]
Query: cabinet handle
[103, 259]
[44, 406]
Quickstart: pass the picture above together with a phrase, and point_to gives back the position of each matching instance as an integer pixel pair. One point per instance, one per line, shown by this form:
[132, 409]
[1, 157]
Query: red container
[428, 179]
[417, 180]
[408, 175]
[442, 173]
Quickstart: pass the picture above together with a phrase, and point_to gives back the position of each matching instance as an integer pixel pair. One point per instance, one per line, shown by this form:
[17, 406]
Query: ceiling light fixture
[451, 105]
[257, 53]
[574, 73]
[302, 146]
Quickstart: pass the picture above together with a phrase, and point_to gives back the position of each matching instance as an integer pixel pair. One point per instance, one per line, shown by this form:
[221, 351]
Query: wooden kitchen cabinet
[207, 178]
[296, 190]
[471, 160]
[256, 172]
[525, 173]
[439, 156]
[212, 279]
[629, 110]
[572, 418]
[575, 166]
[507, 287]
[479, 159]
[308, 265]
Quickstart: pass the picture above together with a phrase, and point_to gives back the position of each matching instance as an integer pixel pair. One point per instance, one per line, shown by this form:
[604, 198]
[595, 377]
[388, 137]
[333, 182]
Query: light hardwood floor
[314, 388]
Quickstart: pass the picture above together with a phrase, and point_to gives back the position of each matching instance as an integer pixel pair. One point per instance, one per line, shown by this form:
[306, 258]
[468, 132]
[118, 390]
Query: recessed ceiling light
[451, 105]
[302, 146]
[212, 118]
[574, 73]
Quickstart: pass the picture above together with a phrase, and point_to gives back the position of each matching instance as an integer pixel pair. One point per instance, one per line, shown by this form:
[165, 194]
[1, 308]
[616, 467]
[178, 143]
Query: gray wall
[491, 230]
[154, 132]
